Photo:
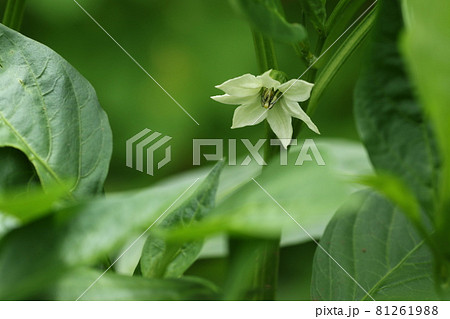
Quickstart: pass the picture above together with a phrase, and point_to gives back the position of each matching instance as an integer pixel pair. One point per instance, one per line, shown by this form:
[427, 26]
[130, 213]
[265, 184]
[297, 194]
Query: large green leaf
[51, 113]
[379, 248]
[161, 258]
[117, 287]
[34, 255]
[310, 193]
[389, 119]
[427, 49]
[375, 243]
[267, 17]
[232, 179]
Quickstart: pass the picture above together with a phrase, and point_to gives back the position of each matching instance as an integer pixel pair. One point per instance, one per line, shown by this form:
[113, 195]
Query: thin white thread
[314, 240]
[135, 61]
[135, 241]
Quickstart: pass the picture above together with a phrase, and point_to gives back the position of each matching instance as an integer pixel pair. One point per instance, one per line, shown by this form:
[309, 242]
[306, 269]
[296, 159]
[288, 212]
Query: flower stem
[253, 268]
[267, 262]
[265, 52]
[14, 14]
[260, 255]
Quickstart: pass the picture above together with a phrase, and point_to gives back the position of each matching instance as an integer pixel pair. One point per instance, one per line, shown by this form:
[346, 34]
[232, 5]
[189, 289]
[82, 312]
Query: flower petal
[296, 90]
[234, 100]
[281, 124]
[244, 85]
[249, 114]
[295, 110]
[267, 81]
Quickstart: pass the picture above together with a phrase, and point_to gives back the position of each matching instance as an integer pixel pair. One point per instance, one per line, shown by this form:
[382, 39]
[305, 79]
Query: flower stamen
[269, 97]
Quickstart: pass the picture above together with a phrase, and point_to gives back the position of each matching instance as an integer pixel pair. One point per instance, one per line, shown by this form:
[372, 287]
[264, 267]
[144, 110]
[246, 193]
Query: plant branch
[258, 278]
[13, 15]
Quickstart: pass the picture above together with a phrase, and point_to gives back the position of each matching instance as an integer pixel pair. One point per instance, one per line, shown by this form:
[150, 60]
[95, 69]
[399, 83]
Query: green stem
[310, 76]
[265, 52]
[442, 277]
[14, 14]
[265, 271]
[253, 270]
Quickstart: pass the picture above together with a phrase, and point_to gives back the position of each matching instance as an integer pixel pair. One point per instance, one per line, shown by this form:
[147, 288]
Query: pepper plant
[377, 212]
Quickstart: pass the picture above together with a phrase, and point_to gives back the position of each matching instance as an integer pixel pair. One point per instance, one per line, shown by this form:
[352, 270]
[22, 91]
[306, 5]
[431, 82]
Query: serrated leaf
[379, 248]
[51, 113]
[389, 119]
[161, 258]
[113, 287]
[266, 17]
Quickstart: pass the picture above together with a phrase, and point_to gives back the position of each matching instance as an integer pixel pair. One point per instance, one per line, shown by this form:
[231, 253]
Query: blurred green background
[189, 46]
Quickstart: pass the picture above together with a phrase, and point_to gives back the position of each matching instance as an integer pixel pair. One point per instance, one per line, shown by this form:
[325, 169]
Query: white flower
[262, 97]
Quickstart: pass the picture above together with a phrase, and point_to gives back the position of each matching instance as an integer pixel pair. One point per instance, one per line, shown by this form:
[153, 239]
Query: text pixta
[308, 151]
[337, 311]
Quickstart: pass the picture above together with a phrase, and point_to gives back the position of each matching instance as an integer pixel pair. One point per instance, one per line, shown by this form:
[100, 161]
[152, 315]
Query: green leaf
[344, 14]
[114, 287]
[388, 117]
[427, 49]
[34, 255]
[161, 258]
[316, 12]
[343, 53]
[395, 190]
[31, 204]
[267, 17]
[7, 223]
[379, 248]
[51, 113]
[310, 193]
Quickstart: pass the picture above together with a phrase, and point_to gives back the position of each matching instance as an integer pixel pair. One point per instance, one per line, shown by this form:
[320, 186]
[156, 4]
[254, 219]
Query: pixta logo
[144, 144]
[308, 150]
[142, 147]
